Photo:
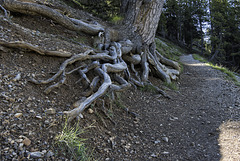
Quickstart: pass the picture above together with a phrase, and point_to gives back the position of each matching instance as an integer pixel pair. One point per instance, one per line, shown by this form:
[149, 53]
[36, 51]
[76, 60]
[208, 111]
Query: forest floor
[201, 121]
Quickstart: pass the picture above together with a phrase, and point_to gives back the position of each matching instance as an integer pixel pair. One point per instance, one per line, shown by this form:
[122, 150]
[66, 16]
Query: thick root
[101, 91]
[25, 45]
[69, 23]
[168, 62]
[79, 57]
[159, 69]
[145, 67]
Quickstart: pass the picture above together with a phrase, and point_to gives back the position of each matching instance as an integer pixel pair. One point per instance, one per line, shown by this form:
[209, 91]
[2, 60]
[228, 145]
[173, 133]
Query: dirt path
[201, 122]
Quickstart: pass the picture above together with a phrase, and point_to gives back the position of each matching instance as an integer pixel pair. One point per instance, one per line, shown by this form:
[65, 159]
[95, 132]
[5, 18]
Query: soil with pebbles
[201, 121]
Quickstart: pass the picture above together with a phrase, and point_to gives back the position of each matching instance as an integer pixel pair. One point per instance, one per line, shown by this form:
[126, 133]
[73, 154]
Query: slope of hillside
[199, 121]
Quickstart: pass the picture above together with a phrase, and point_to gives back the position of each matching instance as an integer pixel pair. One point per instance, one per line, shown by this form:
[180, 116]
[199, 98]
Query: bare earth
[201, 121]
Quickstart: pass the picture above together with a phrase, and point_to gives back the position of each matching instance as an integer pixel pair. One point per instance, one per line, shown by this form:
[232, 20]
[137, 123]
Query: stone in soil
[17, 115]
[36, 155]
[26, 141]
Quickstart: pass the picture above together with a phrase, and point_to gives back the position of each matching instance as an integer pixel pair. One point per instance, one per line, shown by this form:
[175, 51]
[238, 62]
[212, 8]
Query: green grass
[181, 67]
[168, 49]
[201, 59]
[119, 104]
[116, 19]
[230, 74]
[172, 86]
[70, 142]
[148, 88]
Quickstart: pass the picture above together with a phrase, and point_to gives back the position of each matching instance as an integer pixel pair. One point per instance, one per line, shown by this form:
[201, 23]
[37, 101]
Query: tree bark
[143, 16]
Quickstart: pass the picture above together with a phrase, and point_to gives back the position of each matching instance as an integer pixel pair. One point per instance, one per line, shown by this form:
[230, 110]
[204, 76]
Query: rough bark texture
[143, 16]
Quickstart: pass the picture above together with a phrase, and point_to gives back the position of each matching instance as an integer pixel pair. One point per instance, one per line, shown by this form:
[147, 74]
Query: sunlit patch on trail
[229, 140]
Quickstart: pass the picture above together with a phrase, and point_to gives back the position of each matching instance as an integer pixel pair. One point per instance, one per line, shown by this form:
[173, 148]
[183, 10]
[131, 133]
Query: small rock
[18, 77]
[165, 153]
[157, 141]
[173, 118]
[50, 111]
[12, 142]
[36, 154]
[17, 115]
[26, 141]
[29, 105]
[128, 146]
[19, 140]
[90, 111]
[137, 142]
[153, 155]
[47, 122]
[39, 117]
[20, 145]
[6, 149]
[11, 99]
[165, 139]
[32, 111]
[49, 154]
[123, 141]
[81, 116]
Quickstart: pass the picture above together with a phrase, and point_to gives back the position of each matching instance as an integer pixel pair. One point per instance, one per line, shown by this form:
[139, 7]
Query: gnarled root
[110, 66]
[69, 23]
[4, 10]
[102, 89]
[25, 45]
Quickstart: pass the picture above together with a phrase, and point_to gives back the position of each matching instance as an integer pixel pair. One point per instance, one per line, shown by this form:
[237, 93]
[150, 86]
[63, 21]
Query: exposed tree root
[25, 45]
[168, 62]
[109, 65]
[34, 8]
[101, 91]
[4, 10]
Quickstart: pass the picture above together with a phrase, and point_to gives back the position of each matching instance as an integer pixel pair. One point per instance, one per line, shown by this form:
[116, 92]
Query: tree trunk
[143, 16]
[201, 30]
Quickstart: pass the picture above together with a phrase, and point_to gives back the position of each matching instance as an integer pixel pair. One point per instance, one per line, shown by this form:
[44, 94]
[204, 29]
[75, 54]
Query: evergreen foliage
[105, 9]
[189, 21]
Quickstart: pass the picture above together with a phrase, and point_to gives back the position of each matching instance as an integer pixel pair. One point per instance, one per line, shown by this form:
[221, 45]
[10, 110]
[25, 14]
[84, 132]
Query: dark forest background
[210, 28]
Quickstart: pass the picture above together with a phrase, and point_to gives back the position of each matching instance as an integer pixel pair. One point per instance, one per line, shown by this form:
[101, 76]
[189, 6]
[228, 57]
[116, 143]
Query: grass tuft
[148, 88]
[172, 86]
[71, 144]
[230, 74]
[116, 19]
[168, 49]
